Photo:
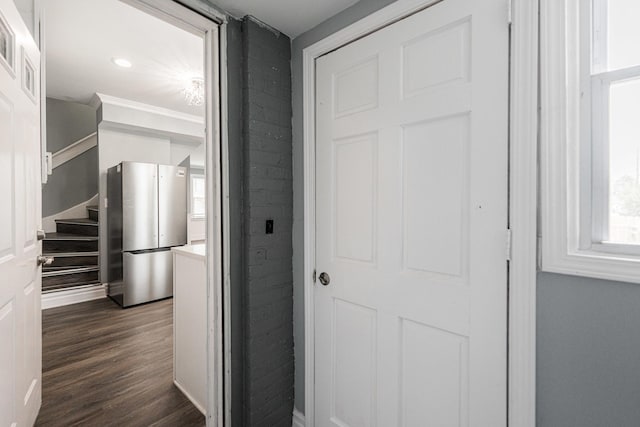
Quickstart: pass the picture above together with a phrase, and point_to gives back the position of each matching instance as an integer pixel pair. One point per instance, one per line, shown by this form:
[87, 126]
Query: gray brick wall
[268, 366]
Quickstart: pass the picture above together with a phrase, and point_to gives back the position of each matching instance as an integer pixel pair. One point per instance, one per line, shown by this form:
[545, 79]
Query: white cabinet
[190, 323]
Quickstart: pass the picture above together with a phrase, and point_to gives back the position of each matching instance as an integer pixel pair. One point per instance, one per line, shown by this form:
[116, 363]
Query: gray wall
[236, 215]
[268, 292]
[68, 122]
[259, 132]
[330, 26]
[588, 355]
[75, 181]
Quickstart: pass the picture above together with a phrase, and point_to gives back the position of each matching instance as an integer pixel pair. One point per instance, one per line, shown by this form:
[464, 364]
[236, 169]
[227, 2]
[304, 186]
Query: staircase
[74, 248]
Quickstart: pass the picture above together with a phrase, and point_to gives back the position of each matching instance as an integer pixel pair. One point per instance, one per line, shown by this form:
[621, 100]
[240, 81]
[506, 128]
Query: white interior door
[20, 216]
[411, 220]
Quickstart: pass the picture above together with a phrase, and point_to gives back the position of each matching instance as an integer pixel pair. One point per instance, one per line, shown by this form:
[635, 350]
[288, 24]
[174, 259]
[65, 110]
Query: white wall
[115, 146]
[197, 230]
[182, 150]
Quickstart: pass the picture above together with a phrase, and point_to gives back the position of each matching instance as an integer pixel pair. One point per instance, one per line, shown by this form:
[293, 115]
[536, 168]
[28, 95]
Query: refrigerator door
[172, 206]
[148, 276]
[139, 206]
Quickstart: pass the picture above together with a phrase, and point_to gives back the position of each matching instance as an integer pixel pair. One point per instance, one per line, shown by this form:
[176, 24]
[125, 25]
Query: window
[615, 127]
[198, 205]
[7, 41]
[590, 138]
[28, 76]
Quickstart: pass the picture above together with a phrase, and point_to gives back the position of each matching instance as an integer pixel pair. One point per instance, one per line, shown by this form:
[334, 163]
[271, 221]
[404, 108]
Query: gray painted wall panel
[75, 181]
[588, 352]
[67, 122]
[72, 183]
[236, 213]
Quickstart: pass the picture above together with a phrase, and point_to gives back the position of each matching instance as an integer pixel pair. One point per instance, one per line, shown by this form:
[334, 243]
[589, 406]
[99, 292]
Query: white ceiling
[292, 17]
[82, 36]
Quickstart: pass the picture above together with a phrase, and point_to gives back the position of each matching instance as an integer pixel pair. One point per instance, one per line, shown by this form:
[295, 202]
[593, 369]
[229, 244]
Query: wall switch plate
[269, 227]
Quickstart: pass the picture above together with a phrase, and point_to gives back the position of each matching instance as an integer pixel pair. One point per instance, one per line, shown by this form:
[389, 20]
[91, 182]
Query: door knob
[324, 278]
[40, 234]
[45, 260]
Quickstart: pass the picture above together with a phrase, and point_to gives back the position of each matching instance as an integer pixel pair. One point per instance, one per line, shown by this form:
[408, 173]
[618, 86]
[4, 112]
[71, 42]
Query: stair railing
[72, 151]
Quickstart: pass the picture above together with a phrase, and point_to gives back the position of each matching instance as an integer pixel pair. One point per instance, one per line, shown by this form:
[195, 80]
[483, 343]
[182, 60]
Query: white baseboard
[77, 211]
[298, 419]
[194, 401]
[73, 296]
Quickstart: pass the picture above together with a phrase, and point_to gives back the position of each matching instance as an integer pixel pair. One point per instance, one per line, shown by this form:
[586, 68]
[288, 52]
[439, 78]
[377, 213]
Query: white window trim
[563, 197]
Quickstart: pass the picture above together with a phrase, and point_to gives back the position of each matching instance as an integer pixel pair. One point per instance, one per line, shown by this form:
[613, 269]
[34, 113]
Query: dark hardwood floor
[105, 366]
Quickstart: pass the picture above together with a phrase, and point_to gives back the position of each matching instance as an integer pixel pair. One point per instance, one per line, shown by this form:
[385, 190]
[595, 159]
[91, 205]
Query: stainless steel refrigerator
[146, 217]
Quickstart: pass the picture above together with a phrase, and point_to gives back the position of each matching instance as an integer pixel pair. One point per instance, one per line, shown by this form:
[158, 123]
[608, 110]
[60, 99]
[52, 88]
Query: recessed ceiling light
[121, 62]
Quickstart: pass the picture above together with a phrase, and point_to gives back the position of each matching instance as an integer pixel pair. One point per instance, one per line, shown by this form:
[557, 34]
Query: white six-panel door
[20, 216]
[411, 220]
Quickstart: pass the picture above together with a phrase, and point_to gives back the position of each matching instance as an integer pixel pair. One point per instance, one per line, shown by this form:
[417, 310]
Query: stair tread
[61, 271]
[82, 221]
[68, 267]
[93, 207]
[71, 254]
[67, 236]
[61, 286]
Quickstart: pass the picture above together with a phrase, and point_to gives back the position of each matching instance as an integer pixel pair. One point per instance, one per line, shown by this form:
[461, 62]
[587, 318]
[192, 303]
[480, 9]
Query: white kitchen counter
[197, 251]
[190, 323]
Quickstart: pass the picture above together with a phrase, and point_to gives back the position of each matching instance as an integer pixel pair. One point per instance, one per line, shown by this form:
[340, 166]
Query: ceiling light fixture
[121, 62]
[194, 92]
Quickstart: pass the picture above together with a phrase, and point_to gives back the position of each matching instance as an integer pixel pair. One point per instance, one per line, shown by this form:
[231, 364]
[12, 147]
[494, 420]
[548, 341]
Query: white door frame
[211, 24]
[522, 218]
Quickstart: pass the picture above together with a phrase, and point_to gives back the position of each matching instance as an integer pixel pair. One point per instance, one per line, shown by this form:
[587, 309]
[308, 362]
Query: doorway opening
[132, 211]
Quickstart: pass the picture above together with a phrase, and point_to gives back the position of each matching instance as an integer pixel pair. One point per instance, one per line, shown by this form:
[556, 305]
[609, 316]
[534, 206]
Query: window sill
[198, 217]
[595, 264]
[620, 249]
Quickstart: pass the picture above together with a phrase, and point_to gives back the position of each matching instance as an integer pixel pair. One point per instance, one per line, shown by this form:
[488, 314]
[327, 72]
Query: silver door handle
[324, 278]
[40, 234]
[45, 260]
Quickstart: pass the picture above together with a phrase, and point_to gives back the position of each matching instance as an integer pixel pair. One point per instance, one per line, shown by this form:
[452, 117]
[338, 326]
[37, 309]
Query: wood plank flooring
[105, 366]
